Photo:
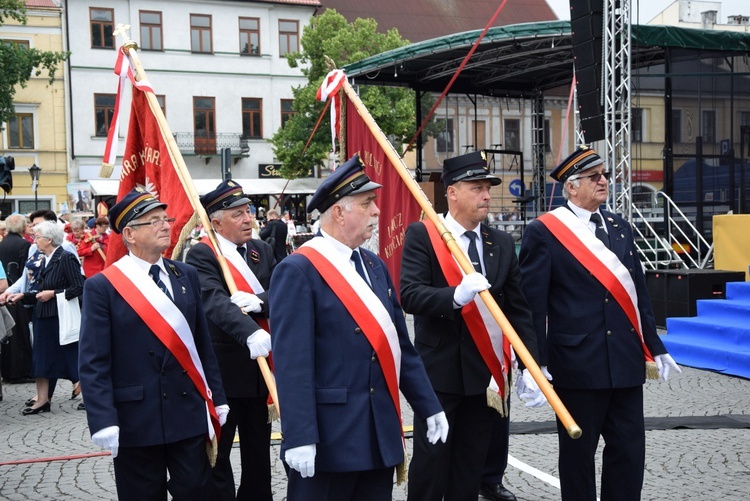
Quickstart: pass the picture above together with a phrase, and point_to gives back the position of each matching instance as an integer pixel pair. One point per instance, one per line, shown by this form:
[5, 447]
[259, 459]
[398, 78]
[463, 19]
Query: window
[104, 110]
[102, 27]
[200, 33]
[252, 118]
[636, 117]
[512, 134]
[18, 43]
[250, 36]
[547, 136]
[162, 100]
[444, 138]
[28, 206]
[288, 37]
[21, 131]
[287, 110]
[676, 126]
[745, 118]
[708, 126]
[151, 37]
[204, 125]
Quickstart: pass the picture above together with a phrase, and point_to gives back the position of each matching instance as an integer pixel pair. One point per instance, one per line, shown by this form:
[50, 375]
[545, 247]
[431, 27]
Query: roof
[313, 3]
[517, 60]
[46, 4]
[418, 20]
[273, 186]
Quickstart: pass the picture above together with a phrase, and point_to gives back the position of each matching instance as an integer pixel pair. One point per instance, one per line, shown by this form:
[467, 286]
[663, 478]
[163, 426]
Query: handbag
[6, 327]
[69, 318]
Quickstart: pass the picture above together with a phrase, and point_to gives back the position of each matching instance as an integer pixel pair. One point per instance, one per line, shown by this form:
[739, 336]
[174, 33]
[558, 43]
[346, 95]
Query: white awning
[107, 187]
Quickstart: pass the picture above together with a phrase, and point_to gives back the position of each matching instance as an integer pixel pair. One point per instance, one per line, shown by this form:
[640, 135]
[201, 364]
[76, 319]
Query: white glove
[108, 438]
[248, 302]
[302, 459]
[259, 344]
[437, 428]
[529, 391]
[468, 288]
[546, 373]
[221, 412]
[666, 363]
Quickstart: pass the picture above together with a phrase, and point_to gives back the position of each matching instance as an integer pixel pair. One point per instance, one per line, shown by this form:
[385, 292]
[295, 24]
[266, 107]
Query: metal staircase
[678, 245]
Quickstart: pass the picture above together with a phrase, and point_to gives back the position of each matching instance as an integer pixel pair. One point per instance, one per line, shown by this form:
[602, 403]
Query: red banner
[398, 208]
[146, 163]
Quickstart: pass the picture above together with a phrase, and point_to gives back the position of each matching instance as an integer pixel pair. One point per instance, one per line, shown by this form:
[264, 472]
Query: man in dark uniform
[596, 330]
[238, 339]
[342, 353]
[276, 230]
[153, 389]
[458, 369]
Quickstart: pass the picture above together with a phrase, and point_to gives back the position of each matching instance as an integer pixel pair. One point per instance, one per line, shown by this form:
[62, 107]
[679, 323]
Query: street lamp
[34, 170]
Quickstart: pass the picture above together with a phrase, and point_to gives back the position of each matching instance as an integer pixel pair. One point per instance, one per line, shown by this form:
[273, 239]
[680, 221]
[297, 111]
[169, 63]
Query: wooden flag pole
[562, 413]
[187, 182]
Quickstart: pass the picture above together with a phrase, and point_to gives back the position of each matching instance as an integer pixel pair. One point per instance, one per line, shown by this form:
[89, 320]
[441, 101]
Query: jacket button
[163, 372]
[184, 394]
[151, 352]
[165, 396]
[358, 331]
[632, 329]
[606, 300]
[372, 391]
[373, 359]
[609, 333]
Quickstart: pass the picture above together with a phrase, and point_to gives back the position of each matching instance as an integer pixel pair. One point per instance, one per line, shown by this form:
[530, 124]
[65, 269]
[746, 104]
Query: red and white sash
[364, 307]
[601, 262]
[167, 323]
[486, 333]
[244, 277]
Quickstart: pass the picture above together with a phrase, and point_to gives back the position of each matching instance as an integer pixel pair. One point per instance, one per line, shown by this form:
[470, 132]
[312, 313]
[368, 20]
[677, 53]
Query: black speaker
[685, 287]
[656, 282]
[586, 21]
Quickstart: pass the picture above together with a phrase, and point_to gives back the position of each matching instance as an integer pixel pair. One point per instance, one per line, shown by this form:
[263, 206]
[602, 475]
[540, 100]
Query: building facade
[37, 134]
[217, 67]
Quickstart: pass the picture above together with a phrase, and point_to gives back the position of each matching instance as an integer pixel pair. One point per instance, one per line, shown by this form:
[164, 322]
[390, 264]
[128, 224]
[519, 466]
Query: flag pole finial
[122, 30]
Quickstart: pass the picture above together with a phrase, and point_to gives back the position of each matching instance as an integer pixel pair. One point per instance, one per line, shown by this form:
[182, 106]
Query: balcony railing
[191, 143]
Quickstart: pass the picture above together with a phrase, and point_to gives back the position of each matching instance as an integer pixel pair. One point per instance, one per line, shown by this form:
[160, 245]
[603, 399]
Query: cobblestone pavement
[705, 459]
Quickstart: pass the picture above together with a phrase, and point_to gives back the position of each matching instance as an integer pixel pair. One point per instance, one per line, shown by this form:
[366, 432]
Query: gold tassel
[106, 170]
[497, 402]
[186, 230]
[401, 470]
[652, 372]
[273, 414]
[212, 449]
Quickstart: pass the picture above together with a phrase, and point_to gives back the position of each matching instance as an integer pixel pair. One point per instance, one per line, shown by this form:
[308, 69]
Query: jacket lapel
[491, 254]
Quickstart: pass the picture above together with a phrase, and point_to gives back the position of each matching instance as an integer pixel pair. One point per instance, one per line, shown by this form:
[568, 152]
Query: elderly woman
[60, 273]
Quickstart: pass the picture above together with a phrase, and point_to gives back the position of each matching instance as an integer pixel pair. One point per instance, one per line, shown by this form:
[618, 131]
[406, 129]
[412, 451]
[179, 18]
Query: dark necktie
[473, 252]
[358, 265]
[243, 252]
[600, 233]
[154, 272]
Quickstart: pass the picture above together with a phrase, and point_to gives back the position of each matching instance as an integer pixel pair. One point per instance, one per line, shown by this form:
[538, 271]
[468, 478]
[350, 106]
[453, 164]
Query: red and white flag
[147, 162]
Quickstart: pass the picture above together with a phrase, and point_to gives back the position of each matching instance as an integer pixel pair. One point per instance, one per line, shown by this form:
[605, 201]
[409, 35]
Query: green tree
[331, 35]
[17, 61]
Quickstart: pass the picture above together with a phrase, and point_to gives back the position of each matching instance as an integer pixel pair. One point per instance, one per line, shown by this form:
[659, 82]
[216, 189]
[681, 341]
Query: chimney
[708, 19]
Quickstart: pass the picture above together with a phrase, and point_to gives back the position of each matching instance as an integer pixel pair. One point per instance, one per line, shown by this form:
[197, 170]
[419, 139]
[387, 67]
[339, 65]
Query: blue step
[732, 310]
[735, 362]
[738, 290]
[709, 332]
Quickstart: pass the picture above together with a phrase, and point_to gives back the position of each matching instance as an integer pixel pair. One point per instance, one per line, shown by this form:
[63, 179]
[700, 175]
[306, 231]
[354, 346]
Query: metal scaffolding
[616, 93]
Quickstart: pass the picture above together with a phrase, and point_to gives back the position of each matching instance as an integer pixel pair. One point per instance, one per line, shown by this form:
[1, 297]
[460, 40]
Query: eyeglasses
[155, 223]
[594, 177]
[37, 237]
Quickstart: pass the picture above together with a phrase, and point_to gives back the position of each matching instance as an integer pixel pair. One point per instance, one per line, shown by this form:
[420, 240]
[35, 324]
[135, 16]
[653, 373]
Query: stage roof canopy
[516, 60]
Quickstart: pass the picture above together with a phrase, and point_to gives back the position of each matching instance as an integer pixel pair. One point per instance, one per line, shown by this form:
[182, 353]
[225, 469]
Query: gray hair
[345, 203]
[50, 230]
[77, 224]
[15, 223]
[575, 182]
